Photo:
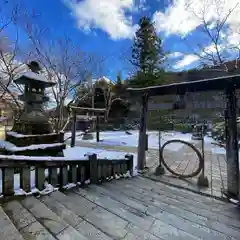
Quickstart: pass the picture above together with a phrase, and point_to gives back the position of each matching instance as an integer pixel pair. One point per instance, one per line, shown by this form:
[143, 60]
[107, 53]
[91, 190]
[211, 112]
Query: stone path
[183, 159]
[124, 209]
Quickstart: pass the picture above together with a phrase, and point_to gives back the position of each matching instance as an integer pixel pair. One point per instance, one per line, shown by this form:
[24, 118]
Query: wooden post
[202, 179]
[130, 164]
[231, 143]
[159, 169]
[72, 174]
[73, 139]
[142, 134]
[83, 174]
[53, 176]
[93, 168]
[39, 178]
[25, 179]
[146, 144]
[63, 176]
[8, 181]
[97, 128]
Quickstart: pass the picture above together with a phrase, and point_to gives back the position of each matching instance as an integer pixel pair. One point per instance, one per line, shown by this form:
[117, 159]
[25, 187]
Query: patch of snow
[87, 181]
[81, 152]
[19, 135]
[41, 158]
[2, 119]
[35, 76]
[11, 147]
[70, 185]
[120, 138]
[48, 189]
[6, 145]
[218, 150]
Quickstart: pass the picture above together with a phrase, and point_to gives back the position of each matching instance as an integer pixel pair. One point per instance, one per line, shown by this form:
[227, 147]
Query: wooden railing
[61, 172]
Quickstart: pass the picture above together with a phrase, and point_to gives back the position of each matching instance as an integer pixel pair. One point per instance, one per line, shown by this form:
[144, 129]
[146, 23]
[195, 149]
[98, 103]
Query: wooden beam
[73, 137]
[213, 84]
[90, 110]
[142, 134]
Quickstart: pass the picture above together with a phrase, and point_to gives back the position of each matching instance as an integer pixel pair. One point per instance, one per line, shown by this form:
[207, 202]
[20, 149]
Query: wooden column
[231, 143]
[73, 138]
[142, 134]
[97, 128]
[93, 168]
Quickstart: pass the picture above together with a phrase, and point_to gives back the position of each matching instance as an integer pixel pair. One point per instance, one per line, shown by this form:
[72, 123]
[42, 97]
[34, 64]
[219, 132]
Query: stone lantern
[33, 119]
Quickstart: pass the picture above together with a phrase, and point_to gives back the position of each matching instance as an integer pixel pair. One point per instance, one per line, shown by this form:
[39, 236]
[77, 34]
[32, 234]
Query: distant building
[7, 105]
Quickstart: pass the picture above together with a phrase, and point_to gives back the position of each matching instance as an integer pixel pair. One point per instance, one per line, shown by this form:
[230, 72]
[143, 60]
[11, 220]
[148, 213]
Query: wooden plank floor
[184, 159]
[129, 209]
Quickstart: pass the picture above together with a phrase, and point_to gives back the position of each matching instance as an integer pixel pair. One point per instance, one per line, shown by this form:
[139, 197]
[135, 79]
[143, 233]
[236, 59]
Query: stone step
[126, 209]
[96, 219]
[7, 229]
[25, 222]
[198, 222]
[115, 207]
[55, 225]
[69, 216]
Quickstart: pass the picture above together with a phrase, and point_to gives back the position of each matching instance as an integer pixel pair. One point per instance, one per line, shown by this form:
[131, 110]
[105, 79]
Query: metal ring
[199, 155]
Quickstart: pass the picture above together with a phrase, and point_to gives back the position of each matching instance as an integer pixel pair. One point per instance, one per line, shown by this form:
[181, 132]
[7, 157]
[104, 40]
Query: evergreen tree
[119, 79]
[147, 55]
[119, 88]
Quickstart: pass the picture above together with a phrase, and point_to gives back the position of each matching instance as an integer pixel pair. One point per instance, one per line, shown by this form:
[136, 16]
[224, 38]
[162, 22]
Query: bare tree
[10, 67]
[63, 63]
[214, 17]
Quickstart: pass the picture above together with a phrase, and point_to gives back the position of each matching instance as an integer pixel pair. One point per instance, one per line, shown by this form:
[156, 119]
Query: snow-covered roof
[33, 77]
[104, 79]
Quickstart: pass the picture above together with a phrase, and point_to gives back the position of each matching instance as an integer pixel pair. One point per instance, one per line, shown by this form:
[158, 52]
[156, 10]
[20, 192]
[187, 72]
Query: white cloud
[183, 16]
[175, 55]
[142, 5]
[113, 16]
[185, 61]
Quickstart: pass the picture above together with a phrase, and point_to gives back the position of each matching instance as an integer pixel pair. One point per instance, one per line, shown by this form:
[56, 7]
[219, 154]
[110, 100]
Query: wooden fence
[61, 172]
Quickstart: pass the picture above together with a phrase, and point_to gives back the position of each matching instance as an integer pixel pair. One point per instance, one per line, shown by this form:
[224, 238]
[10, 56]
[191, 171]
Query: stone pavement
[181, 160]
[125, 209]
[186, 161]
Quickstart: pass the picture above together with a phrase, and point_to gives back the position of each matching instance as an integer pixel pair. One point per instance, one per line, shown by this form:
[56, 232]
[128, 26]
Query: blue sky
[106, 27]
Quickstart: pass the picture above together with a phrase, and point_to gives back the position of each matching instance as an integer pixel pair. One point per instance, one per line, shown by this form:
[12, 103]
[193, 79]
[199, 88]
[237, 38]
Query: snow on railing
[57, 172]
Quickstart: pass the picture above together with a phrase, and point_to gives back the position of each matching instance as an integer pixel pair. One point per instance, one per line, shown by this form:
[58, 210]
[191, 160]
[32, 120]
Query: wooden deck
[136, 208]
[215, 166]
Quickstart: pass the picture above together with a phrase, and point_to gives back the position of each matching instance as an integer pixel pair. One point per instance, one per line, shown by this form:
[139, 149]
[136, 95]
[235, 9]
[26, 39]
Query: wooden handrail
[60, 171]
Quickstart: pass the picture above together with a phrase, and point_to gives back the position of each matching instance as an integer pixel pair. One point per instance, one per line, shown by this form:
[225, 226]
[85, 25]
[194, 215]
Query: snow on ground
[115, 138]
[19, 135]
[11, 147]
[120, 138]
[80, 152]
[218, 150]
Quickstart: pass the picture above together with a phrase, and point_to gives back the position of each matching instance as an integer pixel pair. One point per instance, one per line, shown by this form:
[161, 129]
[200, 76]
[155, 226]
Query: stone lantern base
[31, 128]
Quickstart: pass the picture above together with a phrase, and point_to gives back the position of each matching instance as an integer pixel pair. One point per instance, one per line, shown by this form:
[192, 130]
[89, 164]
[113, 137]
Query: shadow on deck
[136, 208]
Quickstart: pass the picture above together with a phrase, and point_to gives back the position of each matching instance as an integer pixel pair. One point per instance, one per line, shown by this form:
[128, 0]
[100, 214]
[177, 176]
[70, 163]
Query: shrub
[183, 127]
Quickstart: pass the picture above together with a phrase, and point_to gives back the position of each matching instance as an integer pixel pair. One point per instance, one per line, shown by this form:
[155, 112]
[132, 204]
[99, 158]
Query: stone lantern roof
[33, 77]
